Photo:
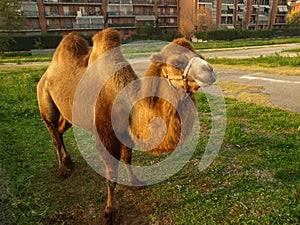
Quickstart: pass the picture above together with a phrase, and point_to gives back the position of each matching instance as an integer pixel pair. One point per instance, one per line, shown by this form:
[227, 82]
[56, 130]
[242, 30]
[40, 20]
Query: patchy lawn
[254, 179]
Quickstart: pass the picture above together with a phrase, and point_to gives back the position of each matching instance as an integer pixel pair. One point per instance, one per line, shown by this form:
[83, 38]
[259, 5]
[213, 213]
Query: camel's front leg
[109, 212]
[110, 157]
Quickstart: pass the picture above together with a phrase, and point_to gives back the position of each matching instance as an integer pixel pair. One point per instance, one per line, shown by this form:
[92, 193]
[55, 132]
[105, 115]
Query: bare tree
[204, 19]
[198, 18]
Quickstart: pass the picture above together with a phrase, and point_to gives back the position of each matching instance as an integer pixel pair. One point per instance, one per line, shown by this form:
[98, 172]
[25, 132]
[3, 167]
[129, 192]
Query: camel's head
[183, 66]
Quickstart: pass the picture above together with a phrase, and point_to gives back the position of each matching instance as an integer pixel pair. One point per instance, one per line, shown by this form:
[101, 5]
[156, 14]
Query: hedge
[243, 34]
[162, 37]
[49, 41]
[26, 43]
[44, 41]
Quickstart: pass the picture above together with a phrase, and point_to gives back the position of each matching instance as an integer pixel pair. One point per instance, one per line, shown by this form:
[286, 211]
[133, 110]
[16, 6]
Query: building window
[35, 24]
[137, 11]
[68, 23]
[47, 11]
[172, 11]
[54, 10]
[66, 10]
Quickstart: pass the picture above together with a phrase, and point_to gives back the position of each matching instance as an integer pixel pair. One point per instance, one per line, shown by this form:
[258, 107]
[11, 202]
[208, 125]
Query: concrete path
[252, 51]
[284, 91]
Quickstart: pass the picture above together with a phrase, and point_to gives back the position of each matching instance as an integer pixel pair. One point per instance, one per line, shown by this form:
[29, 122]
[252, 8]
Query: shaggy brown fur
[57, 89]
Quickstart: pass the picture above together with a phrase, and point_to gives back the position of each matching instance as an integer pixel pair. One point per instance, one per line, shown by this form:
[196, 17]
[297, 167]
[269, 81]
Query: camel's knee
[111, 184]
[63, 125]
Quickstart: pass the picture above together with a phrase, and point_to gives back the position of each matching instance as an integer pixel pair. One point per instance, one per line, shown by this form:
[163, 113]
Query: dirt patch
[246, 93]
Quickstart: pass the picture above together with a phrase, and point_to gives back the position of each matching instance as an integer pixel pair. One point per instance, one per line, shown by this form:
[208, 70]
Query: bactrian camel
[181, 69]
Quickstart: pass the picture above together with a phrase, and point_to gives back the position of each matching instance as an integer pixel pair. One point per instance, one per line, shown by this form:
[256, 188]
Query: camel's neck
[169, 104]
[154, 70]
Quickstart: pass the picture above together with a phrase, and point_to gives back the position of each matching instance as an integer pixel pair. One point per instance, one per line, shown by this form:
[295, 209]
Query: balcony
[74, 2]
[228, 2]
[263, 20]
[119, 2]
[88, 26]
[167, 14]
[143, 2]
[282, 10]
[121, 25]
[205, 1]
[29, 1]
[227, 9]
[264, 2]
[280, 21]
[89, 22]
[56, 15]
[166, 24]
[120, 14]
[32, 13]
[145, 18]
[167, 2]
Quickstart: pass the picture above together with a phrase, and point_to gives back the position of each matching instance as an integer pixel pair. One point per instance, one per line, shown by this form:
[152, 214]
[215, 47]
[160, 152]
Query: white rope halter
[183, 76]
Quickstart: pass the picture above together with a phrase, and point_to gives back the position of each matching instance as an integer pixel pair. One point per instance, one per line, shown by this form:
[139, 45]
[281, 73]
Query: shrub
[17, 54]
[50, 40]
[28, 42]
[22, 43]
[234, 34]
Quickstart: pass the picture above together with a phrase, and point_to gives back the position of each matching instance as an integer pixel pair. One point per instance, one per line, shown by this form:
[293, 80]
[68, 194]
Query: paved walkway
[284, 91]
[252, 51]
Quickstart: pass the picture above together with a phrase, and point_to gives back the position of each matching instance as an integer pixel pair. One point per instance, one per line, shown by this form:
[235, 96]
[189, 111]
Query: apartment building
[88, 16]
[251, 14]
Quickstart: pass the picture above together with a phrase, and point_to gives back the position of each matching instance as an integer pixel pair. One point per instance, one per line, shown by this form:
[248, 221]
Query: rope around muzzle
[183, 77]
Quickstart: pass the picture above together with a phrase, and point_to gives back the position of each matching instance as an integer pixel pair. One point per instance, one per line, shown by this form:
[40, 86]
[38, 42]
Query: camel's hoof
[63, 173]
[68, 162]
[109, 218]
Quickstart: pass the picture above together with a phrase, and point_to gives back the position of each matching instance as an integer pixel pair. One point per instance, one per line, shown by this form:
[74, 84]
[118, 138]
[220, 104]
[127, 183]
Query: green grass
[292, 50]
[253, 180]
[244, 43]
[263, 61]
[25, 59]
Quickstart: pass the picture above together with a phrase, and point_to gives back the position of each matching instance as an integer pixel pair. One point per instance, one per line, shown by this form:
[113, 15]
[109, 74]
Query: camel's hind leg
[64, 125]
[56, 127]
[52, 126]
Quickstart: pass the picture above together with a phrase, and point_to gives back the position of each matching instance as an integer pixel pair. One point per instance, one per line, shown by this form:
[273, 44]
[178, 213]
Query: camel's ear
[156, 58]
